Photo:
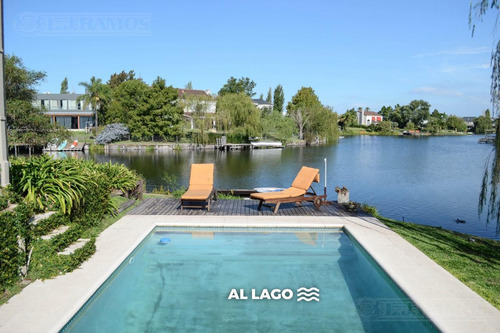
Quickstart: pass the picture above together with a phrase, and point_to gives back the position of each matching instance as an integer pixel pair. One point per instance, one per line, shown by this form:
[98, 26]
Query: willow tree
[237, 116]
[489, 197]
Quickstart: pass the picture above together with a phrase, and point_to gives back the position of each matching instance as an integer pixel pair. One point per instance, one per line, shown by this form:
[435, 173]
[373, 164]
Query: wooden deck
[166, 206]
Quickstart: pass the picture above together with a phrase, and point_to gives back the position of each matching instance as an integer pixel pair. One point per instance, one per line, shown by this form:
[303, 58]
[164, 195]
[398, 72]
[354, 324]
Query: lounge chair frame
[310, 195]
[191, 203]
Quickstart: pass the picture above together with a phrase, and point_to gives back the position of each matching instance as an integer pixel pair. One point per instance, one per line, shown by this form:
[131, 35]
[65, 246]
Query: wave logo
[311, 294]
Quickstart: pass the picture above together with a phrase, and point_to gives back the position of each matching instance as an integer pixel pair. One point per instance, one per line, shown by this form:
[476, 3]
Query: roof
[260, 101]
[57, 96]
[372, 113]
[192, 92]
[469, 119]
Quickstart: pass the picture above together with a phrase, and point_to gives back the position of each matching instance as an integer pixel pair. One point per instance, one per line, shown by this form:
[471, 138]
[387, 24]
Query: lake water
[426, 180]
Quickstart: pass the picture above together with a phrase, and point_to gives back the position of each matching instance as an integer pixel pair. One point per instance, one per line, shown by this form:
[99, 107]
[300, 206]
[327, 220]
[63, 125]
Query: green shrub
[119, 176]
[47, 225]
[13, 225]
[48, 183]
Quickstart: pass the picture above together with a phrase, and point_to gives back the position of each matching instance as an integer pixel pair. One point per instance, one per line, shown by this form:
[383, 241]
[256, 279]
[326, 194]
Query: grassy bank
[473, 260]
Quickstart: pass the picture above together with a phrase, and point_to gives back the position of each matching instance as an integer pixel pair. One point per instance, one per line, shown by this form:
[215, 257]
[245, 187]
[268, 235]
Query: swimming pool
[225, 280]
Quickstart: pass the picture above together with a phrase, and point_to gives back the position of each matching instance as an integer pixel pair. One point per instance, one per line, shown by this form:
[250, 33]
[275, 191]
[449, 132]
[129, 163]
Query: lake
[426, 180]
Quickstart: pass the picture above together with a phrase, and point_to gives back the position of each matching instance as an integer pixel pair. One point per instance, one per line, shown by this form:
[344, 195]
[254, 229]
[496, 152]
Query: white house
[65, 110]
[193, 99]
[262, 104]
[369, 117]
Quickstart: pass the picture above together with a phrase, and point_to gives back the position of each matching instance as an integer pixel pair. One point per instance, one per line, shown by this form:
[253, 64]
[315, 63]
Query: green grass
[473, 260]
[82, 136]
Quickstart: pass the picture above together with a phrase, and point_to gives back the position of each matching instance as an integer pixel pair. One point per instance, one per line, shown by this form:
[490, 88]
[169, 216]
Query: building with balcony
[65, 110]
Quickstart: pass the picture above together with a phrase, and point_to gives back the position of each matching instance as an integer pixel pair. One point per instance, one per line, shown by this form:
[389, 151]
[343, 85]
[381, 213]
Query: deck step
[74, 246]
[55, 232]
[38, 217]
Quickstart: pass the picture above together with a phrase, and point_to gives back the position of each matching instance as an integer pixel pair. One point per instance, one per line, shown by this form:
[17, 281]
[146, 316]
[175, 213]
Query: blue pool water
[197, 280]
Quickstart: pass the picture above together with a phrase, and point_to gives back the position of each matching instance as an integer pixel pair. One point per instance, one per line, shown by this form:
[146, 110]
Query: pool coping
[46, 306]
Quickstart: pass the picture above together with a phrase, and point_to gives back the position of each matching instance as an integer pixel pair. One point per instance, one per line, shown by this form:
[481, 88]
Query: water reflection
[428, 180]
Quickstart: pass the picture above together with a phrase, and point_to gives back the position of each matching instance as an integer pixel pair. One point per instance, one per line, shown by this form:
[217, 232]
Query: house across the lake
[367, 118]
[194, 100]
[65, 110]
[262, 104]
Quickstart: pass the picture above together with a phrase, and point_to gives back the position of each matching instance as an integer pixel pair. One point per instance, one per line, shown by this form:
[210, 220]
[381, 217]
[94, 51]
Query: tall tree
[118, 78]
[20, 81]
[189, 85]
[125, 100]
[96, 94]
[269, 97]
[235, 86]
[302, 106]
[279, 99]
[64, 86]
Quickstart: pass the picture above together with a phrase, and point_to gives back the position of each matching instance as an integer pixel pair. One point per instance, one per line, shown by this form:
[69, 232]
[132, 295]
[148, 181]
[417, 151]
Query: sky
[353, 54]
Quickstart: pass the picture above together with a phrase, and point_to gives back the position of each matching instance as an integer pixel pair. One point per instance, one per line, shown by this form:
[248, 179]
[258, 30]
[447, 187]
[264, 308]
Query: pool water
[214, 280]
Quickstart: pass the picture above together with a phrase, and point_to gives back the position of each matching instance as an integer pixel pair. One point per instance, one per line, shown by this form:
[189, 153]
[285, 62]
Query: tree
[116, 79]
[314, 122]
[277, 126]
[349, 118]
[279, 99]
[238, 116]
[20, 81]
[456, 123]
[96, 95]
[301, 107]
[236, 86]
[269, 97]
[125, 100]
[64, 86]
[189, 85]
[27, 125]
[482, 124]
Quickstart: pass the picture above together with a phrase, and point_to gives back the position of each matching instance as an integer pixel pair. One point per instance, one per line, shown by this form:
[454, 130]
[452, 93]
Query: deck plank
[227, 207]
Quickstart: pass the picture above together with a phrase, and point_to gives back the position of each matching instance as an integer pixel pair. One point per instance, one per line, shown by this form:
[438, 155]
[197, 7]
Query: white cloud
[457, 51]
[437, 91]
[453, 69]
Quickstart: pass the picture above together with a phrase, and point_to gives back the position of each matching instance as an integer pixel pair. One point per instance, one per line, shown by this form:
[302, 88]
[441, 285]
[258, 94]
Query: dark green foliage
[279, 99]
[116, 79]
[12, 256]
[236, 86]
[47, 225]
[46, 263]
[64, 86]
[456, 123]
[20, 81]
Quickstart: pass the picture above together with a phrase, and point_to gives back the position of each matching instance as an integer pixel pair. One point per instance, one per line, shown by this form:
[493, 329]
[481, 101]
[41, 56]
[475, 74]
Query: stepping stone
[75, 246]
[37, 218]
[55, 232]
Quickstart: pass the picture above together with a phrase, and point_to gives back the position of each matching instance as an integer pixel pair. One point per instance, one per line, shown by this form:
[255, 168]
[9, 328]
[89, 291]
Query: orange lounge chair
[298, 192]
[201, 187]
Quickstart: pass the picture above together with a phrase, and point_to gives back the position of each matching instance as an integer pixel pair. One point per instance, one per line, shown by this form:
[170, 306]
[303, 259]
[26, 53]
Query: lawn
[473, 260]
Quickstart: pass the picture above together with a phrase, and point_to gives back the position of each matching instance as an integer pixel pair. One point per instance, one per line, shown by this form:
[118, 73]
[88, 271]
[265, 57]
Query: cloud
[456, 52]
[437, 91]
[453, 69]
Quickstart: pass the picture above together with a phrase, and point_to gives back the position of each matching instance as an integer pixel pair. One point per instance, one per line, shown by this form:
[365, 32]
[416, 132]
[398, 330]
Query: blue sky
[352, 53]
